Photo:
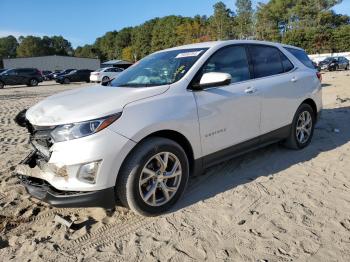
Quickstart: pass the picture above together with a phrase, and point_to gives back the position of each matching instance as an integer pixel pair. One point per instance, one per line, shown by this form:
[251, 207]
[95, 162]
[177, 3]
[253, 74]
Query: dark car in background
[81, 75]
[2, 70]
[63, 72]
[46, 73]
[21, 76]
[334, 63]
[51, 75]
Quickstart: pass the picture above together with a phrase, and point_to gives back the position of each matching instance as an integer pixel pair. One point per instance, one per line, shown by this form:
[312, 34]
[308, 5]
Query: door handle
[294, 79]
[250, 90]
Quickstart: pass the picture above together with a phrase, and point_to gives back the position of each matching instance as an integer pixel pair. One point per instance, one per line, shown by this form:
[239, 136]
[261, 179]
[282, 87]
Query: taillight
[319, 76]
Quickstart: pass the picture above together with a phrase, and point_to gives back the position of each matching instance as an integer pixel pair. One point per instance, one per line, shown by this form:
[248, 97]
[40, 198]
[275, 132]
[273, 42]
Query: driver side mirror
[213, 79]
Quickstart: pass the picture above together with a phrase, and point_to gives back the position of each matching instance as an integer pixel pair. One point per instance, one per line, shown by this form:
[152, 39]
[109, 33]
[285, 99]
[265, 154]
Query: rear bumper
[42, 190]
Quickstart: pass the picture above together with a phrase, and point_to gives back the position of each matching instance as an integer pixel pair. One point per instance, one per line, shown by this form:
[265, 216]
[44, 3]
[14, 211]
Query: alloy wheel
[33, 82]
[304, 127]
[160, 179]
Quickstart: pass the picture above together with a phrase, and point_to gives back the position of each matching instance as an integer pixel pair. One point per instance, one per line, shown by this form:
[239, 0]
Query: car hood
[86, 104]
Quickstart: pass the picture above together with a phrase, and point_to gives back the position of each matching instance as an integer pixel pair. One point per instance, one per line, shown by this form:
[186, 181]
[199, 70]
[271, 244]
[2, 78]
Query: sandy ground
[269, 205]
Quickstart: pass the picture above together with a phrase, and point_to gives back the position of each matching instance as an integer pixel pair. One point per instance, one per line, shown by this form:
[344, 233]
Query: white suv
[171, 115]
[105, 74]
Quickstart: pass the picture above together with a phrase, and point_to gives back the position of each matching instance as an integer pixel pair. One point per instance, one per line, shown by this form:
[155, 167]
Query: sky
[82, 21]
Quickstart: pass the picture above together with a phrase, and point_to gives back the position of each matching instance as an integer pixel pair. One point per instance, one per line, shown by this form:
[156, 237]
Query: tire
[105, 79]
[347, 68]
[132, 193]
[294, 140]
[1, 85]
[66, 81]
[33, 82]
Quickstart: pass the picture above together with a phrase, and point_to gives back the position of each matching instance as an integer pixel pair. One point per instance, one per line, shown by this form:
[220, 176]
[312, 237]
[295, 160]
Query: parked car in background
[105, 74]
[316, 65]
[63, 72]
[51, 75]
[21, 76]
[334, 63]
[81, 75]
[173, 114]
[46, 73]
[2, 70]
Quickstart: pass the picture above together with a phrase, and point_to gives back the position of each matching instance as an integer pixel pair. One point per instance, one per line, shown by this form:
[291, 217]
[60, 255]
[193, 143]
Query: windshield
[161, 68]
[328, 59]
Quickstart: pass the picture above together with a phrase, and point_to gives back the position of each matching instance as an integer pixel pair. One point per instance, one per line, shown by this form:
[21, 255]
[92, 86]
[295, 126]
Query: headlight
[77, 130]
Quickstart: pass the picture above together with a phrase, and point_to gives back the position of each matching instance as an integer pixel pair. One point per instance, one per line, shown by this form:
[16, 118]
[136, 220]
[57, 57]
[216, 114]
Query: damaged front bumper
[31, 172]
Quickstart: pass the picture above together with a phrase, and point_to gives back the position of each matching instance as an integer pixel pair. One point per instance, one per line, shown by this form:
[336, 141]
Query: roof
[117, 62]
[227, 42]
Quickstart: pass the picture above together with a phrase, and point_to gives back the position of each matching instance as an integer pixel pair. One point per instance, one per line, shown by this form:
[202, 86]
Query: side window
[22, 71]
[109, 70]
[266, 61]
[301, 56]
[287, 65]
[12, 72]
[232, 60]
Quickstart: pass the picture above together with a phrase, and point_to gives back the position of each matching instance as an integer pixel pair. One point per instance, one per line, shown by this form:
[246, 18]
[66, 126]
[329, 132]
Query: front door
[228, 115]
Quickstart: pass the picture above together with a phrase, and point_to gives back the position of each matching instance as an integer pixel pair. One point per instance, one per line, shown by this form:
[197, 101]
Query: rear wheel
[153, 177]
[33, 82]
[302, 128]
[105, 79]
[66, 81]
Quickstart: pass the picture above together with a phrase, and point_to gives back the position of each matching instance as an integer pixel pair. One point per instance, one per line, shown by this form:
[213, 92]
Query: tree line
[309, 24]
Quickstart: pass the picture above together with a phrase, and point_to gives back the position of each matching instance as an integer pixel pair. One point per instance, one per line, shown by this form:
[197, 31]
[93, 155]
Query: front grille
[41, 139]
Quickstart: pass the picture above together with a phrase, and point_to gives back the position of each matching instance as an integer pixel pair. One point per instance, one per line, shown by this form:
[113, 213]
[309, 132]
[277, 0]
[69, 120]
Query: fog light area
[87, 172]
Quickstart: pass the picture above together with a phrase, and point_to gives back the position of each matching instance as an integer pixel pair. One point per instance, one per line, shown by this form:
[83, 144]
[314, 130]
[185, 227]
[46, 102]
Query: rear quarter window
[301, 56]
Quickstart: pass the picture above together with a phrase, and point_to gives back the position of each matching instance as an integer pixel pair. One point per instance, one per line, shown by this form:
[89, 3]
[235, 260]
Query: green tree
[244, 19]
[164, 33]
[8, 46]
[142, 38]
[88, 51]
[222, 22]
[31, 46]
[107, 45]
[60, 46]
[341, 38]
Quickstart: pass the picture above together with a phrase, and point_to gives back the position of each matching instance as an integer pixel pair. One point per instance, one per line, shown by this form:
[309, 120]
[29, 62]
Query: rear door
[277, 80]
[343, 62]
[228, 115]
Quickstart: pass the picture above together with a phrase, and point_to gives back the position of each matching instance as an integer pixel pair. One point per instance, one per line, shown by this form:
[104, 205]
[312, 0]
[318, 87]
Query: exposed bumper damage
[35, 170]
[32, 179]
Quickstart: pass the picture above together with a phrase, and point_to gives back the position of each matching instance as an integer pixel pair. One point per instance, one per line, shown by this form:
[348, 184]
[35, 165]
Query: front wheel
[302, 128]
[1, 85]
[33, 82]
[153, 177]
